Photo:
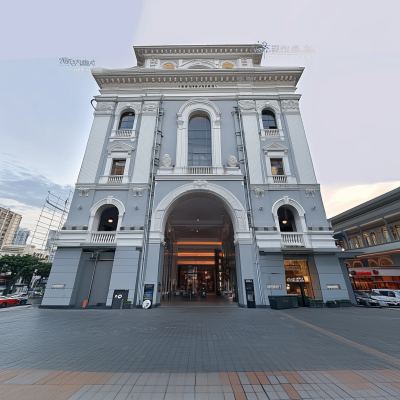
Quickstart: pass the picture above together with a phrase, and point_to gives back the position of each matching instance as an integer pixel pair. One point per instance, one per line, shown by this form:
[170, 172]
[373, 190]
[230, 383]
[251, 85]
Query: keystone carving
[138, 191]
[84, 191]
[259, 192]
[200, 183]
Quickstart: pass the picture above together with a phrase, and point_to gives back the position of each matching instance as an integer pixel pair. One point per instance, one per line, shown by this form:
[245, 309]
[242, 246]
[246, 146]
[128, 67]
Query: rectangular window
[118, 167]
[277, 166]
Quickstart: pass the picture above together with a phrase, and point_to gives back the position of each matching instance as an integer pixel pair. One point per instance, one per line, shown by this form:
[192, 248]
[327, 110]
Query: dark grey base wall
[124, 272]
[64, 271]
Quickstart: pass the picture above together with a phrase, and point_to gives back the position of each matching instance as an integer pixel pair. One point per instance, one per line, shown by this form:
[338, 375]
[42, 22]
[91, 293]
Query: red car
[7, 301]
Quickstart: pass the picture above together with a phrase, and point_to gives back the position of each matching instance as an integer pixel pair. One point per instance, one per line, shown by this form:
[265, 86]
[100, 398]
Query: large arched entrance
[199, 258]
[201, 226]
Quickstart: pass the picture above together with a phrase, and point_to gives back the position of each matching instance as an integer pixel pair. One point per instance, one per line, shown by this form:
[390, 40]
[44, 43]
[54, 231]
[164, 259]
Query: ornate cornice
[198, 51]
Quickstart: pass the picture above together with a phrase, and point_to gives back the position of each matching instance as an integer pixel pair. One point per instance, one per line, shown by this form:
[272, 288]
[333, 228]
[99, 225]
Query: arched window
[168, 66]
[126, 121]
[372, 263]
[268, 120]
[367, 239]
[227, 65]
[385, 234]
[109, 219]
[199, 141]
[373, 237]
[357, 264]
[385, 262]
[394, 232]
[286, 220]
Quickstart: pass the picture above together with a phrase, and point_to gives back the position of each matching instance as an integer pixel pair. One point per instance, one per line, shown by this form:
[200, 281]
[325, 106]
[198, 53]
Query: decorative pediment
[274, 146]
[120, 147]
[268, 104]
[199, 64]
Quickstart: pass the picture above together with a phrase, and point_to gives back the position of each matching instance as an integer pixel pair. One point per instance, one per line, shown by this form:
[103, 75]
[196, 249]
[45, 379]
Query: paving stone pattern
[200, 353]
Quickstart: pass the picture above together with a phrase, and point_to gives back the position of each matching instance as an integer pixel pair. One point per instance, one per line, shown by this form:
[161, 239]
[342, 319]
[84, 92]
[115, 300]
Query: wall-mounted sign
[296, 279]
[352, 272]
[58, 286]
[293, 267]
[274, 286]
[333, 287]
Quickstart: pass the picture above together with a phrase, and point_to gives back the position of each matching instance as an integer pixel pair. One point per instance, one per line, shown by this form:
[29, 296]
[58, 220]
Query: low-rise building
[372, 229]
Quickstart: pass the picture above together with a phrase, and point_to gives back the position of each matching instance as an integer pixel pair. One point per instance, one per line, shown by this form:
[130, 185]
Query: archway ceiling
[212, 218]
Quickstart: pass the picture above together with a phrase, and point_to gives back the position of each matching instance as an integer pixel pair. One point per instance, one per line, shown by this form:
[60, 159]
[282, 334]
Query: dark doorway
[109, 219]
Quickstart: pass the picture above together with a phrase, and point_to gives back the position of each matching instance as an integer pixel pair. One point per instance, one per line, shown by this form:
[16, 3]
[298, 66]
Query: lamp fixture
[198, 219]
[284, 221]
[110, 220]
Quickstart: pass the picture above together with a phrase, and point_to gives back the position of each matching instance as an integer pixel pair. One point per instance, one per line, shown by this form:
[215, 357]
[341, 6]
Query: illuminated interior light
[110, 220]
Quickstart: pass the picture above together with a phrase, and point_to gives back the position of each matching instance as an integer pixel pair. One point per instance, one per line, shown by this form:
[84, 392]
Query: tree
[16, 266]
[43, 270]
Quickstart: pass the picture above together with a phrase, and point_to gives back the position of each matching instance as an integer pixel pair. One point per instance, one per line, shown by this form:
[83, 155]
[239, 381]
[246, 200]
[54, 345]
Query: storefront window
[298, 278]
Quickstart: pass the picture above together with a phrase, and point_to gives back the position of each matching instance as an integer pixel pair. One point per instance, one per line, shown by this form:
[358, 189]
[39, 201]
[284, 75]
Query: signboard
[148, 295]
[274, 286]
[333, 287]
[292, 267]
[299, 279]
[58, 286]
[360, 272]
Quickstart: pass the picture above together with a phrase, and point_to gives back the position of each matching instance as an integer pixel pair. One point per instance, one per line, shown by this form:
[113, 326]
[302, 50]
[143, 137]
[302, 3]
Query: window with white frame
[269, 115]
[117, 165]
[125, 121]
[198, 149]
[277, 164]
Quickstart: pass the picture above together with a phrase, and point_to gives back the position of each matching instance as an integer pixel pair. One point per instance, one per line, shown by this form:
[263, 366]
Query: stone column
[144, 151]
[301, 152]
[252, 140]
[98, 134]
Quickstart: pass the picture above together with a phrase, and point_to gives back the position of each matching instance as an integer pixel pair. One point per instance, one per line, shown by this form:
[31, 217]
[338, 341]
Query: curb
[15, 308]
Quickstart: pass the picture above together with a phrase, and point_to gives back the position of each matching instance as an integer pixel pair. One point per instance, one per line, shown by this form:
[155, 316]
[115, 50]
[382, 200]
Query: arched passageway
[199, 259]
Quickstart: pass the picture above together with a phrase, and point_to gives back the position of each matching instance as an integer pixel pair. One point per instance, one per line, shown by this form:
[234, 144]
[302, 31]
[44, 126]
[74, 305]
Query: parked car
[8, 301]
[368, 297]
[388, 292]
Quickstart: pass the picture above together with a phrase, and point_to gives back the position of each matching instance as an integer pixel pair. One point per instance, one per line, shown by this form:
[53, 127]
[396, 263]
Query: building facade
[371, 231]
[21, 236]
[9, 223]
[197, 180]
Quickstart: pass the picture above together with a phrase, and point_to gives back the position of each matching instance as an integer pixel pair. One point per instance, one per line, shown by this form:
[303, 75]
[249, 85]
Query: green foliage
[330, 302]
[127, 302]
[17, 266]
[316, 301]
[343, 301]
[43, 270]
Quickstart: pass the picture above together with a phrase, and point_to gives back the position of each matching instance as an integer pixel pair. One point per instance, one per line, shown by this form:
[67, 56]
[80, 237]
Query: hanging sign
[296, 279]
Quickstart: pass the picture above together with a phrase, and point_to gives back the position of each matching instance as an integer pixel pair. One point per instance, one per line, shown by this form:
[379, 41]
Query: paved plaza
[200, 353]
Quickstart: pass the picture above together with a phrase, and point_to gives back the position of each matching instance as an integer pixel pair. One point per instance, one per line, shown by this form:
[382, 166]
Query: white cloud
[30, 214]
[338, 199]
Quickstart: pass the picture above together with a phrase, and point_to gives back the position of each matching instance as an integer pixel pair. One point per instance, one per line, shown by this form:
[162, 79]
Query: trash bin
[281, 302]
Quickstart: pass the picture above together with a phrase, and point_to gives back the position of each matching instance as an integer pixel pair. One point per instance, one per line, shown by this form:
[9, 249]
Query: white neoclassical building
[197, 184]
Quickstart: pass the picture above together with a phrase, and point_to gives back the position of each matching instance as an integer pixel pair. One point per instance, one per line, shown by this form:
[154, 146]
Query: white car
[390, 301]
[388, 292]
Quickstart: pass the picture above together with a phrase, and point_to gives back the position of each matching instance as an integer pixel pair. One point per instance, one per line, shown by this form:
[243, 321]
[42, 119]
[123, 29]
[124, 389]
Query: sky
[349, 88]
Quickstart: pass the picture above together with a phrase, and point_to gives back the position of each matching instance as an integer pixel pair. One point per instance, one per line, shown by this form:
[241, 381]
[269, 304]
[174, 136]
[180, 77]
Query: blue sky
[350, 88]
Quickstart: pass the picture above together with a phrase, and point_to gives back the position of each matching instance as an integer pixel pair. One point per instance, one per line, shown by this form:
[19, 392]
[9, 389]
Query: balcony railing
[115, 179]
[124, 133]
[292, 239]
[271, 132]
[102, 237]
[200, 170]
[279, 178]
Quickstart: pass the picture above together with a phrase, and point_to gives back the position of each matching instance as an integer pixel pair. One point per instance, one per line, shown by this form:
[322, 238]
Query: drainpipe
[150, 205]
[249, 204]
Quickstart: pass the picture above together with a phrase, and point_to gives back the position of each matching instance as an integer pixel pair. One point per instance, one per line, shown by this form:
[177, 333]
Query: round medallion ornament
[232, 161]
